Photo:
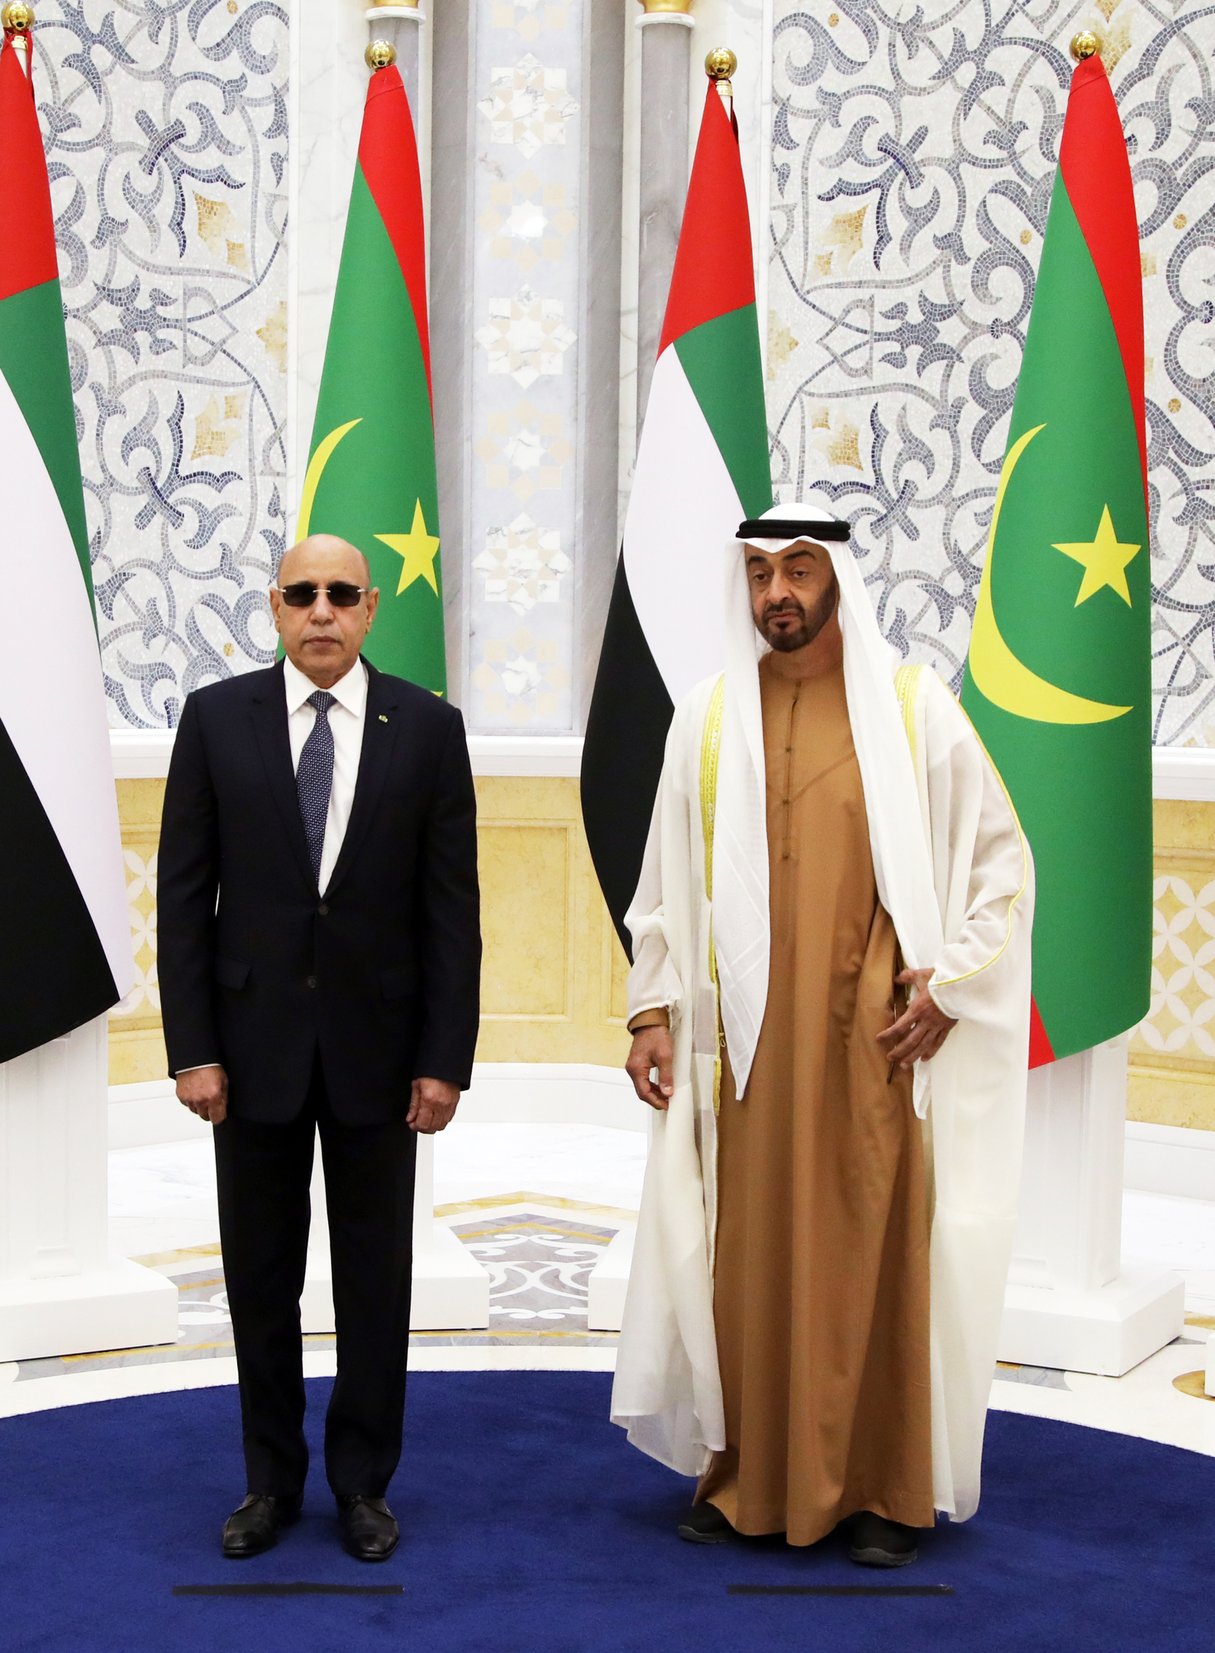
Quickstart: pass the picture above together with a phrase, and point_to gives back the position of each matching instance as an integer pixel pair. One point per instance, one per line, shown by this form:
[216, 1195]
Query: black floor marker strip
[839, 1589]
[288, 1589]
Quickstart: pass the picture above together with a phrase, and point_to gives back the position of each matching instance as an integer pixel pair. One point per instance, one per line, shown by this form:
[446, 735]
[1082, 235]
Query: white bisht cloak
[953, 870]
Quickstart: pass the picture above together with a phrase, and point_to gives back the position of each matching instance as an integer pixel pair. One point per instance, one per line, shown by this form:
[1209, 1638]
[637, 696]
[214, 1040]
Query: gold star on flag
[1104, 559]
[418, 550]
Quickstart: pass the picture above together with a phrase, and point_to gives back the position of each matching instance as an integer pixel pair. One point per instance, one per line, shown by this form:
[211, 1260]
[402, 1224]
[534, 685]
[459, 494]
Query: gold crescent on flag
[316, 469]
[998, 674]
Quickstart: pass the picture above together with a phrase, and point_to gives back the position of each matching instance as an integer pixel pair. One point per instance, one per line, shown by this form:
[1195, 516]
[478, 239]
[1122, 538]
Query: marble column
[665, 51]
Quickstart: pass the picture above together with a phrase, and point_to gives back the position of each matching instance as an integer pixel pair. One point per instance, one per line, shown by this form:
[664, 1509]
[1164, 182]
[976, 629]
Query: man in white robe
[952, 871]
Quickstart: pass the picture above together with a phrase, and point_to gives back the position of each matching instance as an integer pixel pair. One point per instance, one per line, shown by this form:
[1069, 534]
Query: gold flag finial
[17, 17]
[381, 54]
[720, 64]
[1085, 44]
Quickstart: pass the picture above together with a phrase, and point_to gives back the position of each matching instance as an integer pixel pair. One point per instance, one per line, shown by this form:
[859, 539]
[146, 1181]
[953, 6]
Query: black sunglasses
[302, 593]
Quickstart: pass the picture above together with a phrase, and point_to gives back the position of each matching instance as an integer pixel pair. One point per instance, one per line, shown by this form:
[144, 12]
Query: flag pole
[666, 35]
[1073, 1302]
[720, 65]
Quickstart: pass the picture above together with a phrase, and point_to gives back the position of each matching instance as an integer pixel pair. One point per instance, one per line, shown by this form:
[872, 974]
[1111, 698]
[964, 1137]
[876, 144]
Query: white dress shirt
[346, 719]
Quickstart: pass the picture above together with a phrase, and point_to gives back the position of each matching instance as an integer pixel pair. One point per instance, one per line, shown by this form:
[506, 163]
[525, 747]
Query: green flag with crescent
[371, 467]
[1058, 679]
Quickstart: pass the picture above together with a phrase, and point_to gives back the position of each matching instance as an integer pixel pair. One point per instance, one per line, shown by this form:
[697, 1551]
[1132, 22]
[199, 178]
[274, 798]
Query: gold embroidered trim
[710, 752]
[906, 687]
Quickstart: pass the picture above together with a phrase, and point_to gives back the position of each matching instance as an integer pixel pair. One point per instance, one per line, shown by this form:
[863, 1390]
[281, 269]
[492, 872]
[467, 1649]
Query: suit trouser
[263, 1172]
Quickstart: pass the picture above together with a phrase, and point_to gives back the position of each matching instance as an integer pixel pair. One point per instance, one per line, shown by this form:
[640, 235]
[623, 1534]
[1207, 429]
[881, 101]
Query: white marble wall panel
[524, 385]
[912, 158]
[166, 132]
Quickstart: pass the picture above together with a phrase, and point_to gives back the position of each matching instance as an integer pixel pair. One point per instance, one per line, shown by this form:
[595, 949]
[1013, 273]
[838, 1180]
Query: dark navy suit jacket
[258, 971]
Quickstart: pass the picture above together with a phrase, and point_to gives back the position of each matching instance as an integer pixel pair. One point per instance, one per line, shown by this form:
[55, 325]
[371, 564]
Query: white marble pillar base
[1106, 1330]
[450, 1288]
[119, 1306]
[60, 1291]
[608, 1282]
[1072, 1301]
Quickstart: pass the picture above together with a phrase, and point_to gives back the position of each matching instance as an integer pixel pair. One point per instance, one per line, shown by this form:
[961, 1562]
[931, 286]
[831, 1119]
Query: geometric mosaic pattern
[1180, 1021]
[144, 995]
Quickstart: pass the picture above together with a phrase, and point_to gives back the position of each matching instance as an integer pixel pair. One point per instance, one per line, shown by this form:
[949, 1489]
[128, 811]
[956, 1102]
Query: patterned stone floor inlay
[538, 1265]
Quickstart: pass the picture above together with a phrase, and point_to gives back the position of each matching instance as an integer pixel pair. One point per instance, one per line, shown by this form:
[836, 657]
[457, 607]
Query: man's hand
[922, 1029]
[431, 1105]
[205, 1092]
[652, 1048]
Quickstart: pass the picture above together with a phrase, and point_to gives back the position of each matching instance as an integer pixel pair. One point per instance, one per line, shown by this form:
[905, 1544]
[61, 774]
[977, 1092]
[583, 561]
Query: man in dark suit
[319, 959]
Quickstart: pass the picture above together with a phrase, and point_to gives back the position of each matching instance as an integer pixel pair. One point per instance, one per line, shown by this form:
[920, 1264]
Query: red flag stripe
[1097, 175]
[1041, 1051]
[713, 272]
[388, 155]
[27, 244]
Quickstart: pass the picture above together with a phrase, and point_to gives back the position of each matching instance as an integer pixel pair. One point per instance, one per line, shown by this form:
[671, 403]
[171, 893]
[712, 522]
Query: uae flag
[67, 951]
[1058, 679]
[371, 467]
[702, 466]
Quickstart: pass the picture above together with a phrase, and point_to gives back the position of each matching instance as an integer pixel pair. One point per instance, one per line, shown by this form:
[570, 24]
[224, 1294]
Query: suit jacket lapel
[375, 759]
[269, 714]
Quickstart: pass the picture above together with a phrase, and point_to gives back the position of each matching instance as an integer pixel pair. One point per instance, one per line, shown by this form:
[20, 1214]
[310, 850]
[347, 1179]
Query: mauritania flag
[371, 470]
[66, 955]
[702, 466]
[1058, 681]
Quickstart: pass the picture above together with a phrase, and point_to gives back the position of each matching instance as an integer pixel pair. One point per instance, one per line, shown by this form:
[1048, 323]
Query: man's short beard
[788, 642]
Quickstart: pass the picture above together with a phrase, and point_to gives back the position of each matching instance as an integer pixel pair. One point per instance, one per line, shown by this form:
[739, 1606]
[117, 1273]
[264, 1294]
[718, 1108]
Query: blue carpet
[529, 1524]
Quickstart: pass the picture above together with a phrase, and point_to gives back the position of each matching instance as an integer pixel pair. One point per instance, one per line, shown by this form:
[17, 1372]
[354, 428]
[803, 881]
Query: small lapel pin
[383, 718]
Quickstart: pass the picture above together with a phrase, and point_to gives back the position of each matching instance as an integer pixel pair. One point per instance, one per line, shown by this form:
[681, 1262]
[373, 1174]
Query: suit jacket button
[323, 909]
[311, 981]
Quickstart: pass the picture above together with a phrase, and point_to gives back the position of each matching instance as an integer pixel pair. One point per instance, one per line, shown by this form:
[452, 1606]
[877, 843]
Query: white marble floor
[162, 1202]
[162, 1198]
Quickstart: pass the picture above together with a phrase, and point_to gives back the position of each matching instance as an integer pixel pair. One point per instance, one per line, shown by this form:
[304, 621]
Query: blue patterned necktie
[314, 778]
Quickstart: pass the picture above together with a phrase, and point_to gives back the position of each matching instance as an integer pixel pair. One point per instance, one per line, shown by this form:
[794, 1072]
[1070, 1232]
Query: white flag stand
[61, 1292]
[1072, 1302]
[450, 1288]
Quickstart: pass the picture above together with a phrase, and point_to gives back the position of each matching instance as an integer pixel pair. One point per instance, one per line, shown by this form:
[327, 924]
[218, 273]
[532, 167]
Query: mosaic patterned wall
[526, 271]
[913, 153]
[167, 127]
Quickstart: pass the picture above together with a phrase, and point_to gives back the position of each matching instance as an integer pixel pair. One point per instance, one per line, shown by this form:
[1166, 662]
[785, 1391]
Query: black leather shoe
[255, 1525]
[705, 1524]
[876, 1542]
[369, 1528]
